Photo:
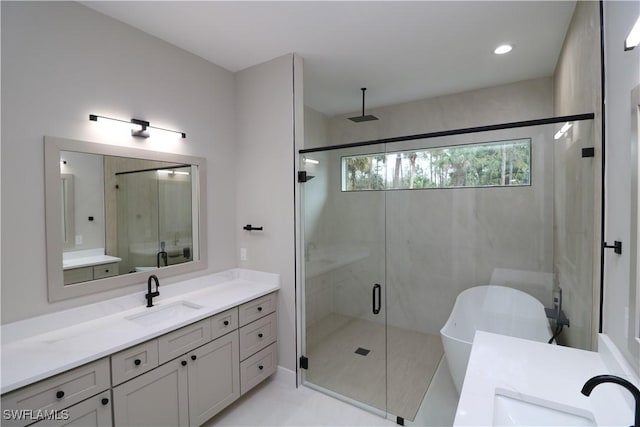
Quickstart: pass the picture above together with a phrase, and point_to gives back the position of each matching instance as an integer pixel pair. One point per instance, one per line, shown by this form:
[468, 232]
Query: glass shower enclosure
[395, 229]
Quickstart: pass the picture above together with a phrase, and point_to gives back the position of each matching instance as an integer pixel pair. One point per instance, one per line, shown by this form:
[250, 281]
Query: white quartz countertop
[536, 371]
[89, 261]
[86, 258]
[37, 348]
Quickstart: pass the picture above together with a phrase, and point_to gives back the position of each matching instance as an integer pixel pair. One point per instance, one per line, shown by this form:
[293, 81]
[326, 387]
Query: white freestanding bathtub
[496, 309]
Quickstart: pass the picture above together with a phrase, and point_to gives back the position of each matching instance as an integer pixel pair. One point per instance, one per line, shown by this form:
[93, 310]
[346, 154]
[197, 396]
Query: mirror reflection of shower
[154, 218]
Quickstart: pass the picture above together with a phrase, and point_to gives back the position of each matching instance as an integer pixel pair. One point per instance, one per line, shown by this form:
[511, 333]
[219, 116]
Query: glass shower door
[137, 220]
[344, 314]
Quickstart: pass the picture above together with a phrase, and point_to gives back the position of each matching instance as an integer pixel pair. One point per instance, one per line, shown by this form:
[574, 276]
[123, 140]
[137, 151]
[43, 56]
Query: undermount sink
[165, 313]
[511, 409]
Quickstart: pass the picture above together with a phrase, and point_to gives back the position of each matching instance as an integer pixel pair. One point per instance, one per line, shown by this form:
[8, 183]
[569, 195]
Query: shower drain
[362, 351]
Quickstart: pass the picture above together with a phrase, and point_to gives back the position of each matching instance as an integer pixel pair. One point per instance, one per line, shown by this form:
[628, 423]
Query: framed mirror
[115, 215]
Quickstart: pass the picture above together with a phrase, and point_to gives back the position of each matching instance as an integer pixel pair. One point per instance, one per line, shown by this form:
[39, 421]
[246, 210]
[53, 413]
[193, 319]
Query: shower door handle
[376, 307]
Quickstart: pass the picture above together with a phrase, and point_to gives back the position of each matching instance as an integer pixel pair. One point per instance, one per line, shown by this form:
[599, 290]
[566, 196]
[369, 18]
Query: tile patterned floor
[389, 369]
[277, 402]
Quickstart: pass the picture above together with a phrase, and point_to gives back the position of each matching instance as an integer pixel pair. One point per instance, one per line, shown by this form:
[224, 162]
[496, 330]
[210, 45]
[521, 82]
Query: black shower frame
[461, 131]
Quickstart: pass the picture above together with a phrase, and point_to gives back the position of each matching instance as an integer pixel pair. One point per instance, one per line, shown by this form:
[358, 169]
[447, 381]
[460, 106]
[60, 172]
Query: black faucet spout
[164, 256]
[149, 296]
[599, 379]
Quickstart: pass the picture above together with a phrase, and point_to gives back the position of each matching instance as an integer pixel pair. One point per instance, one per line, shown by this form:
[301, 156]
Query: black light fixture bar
[143, 132]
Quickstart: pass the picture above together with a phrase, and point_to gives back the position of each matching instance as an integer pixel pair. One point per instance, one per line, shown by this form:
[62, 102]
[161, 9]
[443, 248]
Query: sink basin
[511, 409]
[166, 313]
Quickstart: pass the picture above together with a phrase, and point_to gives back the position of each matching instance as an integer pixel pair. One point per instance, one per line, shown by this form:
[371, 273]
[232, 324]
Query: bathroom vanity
[206, 342]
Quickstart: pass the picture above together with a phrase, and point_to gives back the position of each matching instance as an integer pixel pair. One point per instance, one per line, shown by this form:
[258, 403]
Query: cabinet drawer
[258, 367]
[105, 270]
[183, 340]
[224, 323]
[134, 361]
[77, 275]
[257, 335]
[253, 310]
[60, 391]
[93, 412]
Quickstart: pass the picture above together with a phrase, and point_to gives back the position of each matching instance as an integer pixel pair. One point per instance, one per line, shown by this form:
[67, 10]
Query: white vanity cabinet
[201, 368]
[187, 390]
[93, 412]
[181, 378]
[84, 274]
[53, 395]
[157, 398]
[214, 378]
[258, 334]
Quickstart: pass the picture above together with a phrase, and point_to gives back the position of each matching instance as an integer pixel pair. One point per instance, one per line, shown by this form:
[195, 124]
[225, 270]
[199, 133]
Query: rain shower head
[363, 118]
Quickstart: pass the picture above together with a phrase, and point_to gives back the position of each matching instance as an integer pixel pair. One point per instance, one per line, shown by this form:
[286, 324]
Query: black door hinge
[303, 177]
[304, 362]
[617, 246]
[588, 152]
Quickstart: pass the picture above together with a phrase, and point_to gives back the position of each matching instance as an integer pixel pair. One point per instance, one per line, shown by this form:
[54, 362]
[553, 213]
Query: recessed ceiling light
[502, 49]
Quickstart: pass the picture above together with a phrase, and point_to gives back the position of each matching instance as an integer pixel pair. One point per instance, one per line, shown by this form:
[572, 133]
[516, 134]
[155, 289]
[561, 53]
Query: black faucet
[599, 379]
[162, 254]
[149, 296]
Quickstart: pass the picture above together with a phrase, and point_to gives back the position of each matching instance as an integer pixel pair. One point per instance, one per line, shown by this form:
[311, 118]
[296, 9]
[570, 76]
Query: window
[491, 164]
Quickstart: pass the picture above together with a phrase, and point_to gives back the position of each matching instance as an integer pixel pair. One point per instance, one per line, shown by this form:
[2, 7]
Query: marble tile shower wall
[427, 246]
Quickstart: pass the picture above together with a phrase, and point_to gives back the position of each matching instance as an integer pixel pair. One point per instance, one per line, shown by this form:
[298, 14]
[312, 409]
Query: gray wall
[577, 90]
[623, 74]
[62, 61]
[88, 175]
[265, 183]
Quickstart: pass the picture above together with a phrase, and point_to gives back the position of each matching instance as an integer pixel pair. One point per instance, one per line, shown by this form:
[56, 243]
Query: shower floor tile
[411, 359]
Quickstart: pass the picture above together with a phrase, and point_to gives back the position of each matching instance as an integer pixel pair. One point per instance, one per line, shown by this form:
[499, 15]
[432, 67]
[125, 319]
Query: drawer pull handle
[226, 323]
[60, 394]
[260, 335]
[106, 271]
[183, 363]
[194, 357]
[260, 367]
[137, 362]
[105, 401]
[259, 308]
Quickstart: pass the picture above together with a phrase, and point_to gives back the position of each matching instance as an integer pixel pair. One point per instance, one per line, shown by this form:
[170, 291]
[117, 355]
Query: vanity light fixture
[633, 39]
[502, 49]
[139, 127]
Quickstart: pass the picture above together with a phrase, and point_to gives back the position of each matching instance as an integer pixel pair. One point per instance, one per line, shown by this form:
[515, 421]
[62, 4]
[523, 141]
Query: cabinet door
[214, 378]
[93, 412]
[157, 398]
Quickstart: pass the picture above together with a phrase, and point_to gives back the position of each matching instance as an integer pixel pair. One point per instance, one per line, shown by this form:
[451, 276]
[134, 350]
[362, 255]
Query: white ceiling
[401, 51]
